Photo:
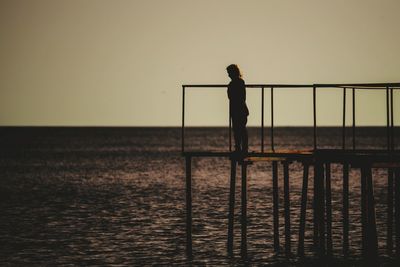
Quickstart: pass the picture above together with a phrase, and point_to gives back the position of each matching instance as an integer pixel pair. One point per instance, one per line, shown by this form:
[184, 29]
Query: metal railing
[389, 87]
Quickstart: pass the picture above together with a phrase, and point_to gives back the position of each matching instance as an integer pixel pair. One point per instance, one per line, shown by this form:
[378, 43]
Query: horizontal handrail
[251, 85]
[362, 85]
[331, 85]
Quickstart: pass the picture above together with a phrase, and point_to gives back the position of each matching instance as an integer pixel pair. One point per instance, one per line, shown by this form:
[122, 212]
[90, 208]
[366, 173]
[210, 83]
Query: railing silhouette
[388, 87]
[363, 159]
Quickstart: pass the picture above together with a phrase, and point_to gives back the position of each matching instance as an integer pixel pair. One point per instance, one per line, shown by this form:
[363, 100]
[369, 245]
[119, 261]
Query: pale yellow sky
[116, 62]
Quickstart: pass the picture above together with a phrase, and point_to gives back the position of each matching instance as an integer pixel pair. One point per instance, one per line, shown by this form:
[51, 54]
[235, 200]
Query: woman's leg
[236, 126]
[244, 135]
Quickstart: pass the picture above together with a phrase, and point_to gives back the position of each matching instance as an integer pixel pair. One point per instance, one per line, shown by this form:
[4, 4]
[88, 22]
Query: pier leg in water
[243, 248]
[319, 207]
[300, 250]
[275, 196]
[371, 241]
[315, 209]
[372, 232]
[389, 240]
[345, 209]
[189, 252]
[397, 211]
[287, 207]
[328, 203]
[363, 212]
[231, 207]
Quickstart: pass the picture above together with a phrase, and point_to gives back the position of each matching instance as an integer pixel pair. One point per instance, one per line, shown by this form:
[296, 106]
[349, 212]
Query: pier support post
[397, 210]
[319, 210]
[363, 212]
[370, 240]
[300, 249]
[231, 207]
[189, 252]
[345, 211]
[321, 218]
[372, 232]
[315, 209]
[328, 204]
[389, 239]
[286, 190]
[243, 248]
[275, 196]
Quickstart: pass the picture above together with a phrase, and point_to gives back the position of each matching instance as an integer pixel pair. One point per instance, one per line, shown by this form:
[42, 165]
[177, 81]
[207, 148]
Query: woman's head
[233, 71]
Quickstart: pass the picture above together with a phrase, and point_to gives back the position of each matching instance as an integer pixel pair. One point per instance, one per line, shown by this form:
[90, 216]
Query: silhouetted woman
[238, 108]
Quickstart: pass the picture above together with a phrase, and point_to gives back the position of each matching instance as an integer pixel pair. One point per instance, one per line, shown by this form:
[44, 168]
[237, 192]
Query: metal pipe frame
[389, 87]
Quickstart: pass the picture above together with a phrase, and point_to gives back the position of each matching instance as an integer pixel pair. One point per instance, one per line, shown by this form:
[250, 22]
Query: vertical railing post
[315, 116]
[183, 120]
[391, 119]
[354, 119]
[189, 207]
[344, 120]
[388, 119]
[272, 119]
[262, 119]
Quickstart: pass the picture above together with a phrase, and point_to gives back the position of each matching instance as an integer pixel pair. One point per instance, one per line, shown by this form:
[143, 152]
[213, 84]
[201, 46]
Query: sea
[115, 196]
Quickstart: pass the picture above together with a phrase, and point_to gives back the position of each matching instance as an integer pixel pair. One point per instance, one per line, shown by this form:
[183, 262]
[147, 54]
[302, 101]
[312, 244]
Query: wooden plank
[374, 156]
[386, 165]
[256, 159]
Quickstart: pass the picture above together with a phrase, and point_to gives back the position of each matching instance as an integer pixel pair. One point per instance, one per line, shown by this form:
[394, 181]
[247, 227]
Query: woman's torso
[237, 98]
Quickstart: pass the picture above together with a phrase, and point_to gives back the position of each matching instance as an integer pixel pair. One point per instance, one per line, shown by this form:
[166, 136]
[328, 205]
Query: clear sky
[122, 63]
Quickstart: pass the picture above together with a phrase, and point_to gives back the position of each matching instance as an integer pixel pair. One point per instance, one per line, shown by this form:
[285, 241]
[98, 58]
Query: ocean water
[116, 196]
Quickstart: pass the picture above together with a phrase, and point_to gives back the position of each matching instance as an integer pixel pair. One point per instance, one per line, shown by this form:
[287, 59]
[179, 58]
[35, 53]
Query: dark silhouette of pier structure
[320, 159]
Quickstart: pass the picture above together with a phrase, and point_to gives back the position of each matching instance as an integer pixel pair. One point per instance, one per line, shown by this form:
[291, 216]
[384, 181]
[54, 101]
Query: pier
[320, 159]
